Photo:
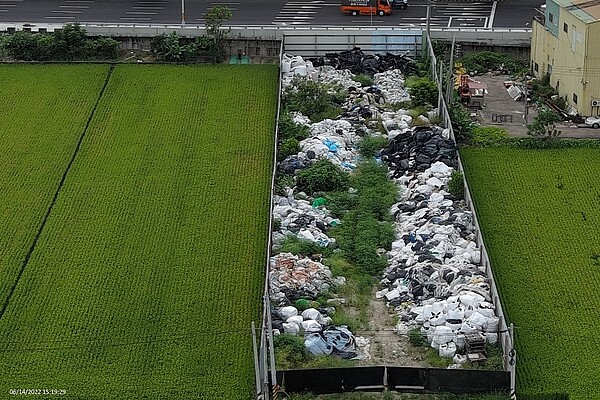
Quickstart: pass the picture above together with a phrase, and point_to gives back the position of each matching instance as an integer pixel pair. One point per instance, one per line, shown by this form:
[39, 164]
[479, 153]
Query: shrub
[456, 185]
[544, 124]
[423, 92]
[322, 176]
[290, 351]
[490, 60]
[316, 101]
[288, 147]
[289, 129]
[461, 122]
[370, 145]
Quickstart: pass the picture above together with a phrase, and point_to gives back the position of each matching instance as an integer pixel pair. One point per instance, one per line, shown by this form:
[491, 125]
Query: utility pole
[450, 87]
[428, 16]
[182, 12]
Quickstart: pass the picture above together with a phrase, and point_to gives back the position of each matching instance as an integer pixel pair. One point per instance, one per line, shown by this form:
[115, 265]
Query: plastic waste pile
[415, 150]
[360, 63]
[293, 277]
[434, 278]
[303, 219]
[332, 139]
[298, 281]
[320, 336]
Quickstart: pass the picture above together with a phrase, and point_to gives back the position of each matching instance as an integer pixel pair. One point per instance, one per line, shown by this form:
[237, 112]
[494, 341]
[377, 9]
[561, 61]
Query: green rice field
[540, 215]
[150, 266]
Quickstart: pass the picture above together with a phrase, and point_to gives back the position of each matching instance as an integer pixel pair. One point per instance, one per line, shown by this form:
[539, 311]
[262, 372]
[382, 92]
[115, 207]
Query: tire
[381, 13]
[354, 13]
[402, 7]
[595, 125]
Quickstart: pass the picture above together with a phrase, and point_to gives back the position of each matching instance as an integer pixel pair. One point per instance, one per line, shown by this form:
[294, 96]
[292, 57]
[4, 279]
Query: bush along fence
[505, 329]
[367, 186]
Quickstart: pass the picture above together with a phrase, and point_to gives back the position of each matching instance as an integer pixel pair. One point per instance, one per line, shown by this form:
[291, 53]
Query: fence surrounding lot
[505, 331]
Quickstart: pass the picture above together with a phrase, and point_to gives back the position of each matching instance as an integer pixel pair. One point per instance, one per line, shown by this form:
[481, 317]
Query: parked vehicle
[400, 4]
[594, 122]
[366, 7]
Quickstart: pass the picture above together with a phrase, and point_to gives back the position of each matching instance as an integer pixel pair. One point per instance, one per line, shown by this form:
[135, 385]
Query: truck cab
[366, 7]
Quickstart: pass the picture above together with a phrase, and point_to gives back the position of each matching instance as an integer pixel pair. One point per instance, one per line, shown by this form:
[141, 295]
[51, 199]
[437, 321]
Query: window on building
[536, 67]
[551, 18]
[574, 98]
[566, 28]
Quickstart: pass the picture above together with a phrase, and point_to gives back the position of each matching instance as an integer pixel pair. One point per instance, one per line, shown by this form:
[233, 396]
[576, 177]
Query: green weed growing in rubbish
[370, 145]
[423, 92]
[290, 352]
[416, 338]
[289, 129]
[364, 79]
[303, 247]
[315, 100]
[322, 176]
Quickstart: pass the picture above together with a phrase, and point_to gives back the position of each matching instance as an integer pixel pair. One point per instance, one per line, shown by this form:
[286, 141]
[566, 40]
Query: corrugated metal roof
[586, 10]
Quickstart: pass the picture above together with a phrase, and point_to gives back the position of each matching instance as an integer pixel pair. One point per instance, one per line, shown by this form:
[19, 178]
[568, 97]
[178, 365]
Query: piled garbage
[302, 219]
[298, 281]
[358, 62]
[388, 83]
[434, 278]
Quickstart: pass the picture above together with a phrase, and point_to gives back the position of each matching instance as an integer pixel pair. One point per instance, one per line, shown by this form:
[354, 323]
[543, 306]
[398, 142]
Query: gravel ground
[497, 101]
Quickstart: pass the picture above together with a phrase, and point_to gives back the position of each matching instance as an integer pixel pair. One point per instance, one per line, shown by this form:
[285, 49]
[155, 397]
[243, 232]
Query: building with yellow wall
[565, 44]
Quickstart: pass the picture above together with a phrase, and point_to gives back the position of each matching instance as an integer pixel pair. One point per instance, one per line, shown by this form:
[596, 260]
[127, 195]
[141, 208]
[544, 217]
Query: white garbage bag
[291, 328]
[288, 311]
[447, 350]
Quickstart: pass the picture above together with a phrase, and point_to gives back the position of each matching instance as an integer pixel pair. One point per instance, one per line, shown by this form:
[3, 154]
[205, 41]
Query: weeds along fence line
[264, 362]
[505, 332]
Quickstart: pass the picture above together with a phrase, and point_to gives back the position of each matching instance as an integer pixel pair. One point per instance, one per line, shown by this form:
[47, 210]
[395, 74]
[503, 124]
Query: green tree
[215, 16]
[544, 124]
[70, 43]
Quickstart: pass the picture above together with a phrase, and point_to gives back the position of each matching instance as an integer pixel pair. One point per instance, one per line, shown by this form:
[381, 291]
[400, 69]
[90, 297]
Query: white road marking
[492, 15]
[65, 17]
[147, 8]
[140, 13]
[82, 7]
[66, 12]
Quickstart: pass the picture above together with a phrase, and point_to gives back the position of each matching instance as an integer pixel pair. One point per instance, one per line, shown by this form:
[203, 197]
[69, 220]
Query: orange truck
[366, 7]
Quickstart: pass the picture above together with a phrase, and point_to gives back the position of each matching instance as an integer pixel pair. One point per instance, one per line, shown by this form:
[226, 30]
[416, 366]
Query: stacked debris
[418, 149]
[359, 62]
[434, 278]
[302, 219]
[294, 278]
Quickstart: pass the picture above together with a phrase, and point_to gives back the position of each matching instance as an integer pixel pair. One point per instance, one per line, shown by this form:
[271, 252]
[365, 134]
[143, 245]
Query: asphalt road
[497, 14]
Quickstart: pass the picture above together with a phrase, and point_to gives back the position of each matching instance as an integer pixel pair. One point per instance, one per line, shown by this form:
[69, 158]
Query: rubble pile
[302, 219]
[418, 149]
[360, 63]
[298, 281]
[293, 277]
[434, 278]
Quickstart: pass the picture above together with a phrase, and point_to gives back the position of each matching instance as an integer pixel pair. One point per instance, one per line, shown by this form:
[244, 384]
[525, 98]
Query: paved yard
[499, 103]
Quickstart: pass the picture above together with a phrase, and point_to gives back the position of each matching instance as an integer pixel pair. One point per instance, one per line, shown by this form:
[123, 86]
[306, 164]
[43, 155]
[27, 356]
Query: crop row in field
[540, 216]
[150, 267]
